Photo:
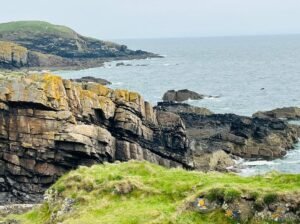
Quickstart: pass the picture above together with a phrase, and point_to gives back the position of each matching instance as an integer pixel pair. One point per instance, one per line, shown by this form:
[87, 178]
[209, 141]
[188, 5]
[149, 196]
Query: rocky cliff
[41, 44]
[49, 126]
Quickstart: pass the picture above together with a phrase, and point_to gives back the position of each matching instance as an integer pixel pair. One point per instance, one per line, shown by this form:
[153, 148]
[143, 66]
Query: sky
[122, 19]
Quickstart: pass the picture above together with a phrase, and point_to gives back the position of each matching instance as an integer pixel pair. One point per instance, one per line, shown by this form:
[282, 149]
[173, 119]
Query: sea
[246, 74]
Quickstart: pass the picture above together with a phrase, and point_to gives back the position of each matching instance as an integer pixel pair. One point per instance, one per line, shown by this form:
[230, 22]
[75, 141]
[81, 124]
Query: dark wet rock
[93, 79]
[289, 113]
[182, 108]
[236, 135]
[181, 95]
[122, 64]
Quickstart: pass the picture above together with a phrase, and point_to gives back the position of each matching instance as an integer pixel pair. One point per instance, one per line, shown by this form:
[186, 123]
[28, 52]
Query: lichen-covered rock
[12, 54]
[49, 125]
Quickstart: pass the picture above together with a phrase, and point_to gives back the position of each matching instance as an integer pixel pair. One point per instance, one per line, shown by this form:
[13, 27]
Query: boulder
[289, 113]
[181, 95]
[92, 79]
[182, 108]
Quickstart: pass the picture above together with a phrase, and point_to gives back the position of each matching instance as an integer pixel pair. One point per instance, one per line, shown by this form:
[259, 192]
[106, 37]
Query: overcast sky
[118, 19]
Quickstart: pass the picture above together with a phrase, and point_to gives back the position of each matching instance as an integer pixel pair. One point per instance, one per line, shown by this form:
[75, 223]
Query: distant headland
[38, 44]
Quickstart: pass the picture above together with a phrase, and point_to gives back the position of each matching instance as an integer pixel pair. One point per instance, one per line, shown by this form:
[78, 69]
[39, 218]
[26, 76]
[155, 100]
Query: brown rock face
[49, 126]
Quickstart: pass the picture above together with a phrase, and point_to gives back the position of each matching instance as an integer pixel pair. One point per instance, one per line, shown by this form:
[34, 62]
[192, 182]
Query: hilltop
[42, 44]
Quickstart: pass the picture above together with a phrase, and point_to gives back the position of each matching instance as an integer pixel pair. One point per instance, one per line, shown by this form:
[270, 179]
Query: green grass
[36, 26]
[140, 192]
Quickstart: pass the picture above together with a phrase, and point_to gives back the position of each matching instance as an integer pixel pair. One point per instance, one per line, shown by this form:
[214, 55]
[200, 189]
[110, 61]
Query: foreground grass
[140, 192]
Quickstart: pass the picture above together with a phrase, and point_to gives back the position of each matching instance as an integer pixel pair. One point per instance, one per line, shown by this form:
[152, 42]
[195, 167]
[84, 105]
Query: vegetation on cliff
[141, 192]
[50, 45]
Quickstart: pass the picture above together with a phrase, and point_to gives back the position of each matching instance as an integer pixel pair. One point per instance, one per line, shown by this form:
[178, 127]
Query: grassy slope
[36, 26]
[160, 195]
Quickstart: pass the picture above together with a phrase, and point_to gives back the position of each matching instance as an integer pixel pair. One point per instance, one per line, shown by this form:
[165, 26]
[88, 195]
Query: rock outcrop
[289, 113]
[93, 79]
[41, 44]
[181, 95]
[12, 55]
[236, 135]
[49, 125]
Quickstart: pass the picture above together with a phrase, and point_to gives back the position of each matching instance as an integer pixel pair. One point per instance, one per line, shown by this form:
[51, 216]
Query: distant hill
[42, 44]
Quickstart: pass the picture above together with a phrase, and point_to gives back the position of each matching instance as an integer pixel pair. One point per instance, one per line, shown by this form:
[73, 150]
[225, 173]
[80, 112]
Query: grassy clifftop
[36, 26]
[140, 192]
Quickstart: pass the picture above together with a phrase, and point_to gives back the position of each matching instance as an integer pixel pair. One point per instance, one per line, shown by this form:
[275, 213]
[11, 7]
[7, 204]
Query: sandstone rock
[49, 126]
[12, 55]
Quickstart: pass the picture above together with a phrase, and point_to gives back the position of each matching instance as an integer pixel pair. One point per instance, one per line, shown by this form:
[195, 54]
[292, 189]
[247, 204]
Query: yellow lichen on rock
[53, 85]
[134, 97]
[12, 52]
[121, 94]
[127, 96]
[99, 89]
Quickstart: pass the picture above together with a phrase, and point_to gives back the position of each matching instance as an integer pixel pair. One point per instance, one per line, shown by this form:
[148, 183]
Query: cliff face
[49, 126]
[49, 45]
[12, 55]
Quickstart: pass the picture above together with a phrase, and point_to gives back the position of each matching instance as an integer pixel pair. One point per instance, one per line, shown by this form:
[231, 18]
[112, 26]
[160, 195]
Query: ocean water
[248, 73]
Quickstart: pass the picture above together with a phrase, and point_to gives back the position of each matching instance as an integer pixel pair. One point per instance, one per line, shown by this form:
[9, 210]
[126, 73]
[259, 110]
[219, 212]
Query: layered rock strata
[49, 125]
